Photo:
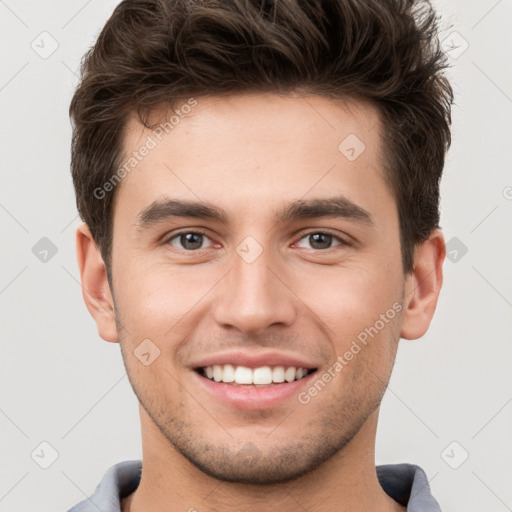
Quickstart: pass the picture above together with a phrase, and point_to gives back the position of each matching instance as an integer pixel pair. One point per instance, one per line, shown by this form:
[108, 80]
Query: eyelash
[341, 241]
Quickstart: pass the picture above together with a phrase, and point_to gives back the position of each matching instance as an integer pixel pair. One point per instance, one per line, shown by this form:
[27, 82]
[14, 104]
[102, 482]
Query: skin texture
[251, 155]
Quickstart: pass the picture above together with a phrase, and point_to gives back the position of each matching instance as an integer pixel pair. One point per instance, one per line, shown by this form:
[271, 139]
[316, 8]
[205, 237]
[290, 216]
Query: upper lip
[254, 360]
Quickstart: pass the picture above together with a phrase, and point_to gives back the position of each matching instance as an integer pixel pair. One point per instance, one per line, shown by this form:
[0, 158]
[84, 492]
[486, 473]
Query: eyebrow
[167, 208]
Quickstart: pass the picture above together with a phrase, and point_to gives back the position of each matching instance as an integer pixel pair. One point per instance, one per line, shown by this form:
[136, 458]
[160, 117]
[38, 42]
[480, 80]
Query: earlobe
[423, 285]
[95, 287]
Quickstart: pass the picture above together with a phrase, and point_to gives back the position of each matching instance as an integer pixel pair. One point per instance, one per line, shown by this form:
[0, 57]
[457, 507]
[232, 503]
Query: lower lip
[251, 397]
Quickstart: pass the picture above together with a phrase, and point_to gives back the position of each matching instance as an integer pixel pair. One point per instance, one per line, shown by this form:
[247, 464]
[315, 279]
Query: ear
[422, 286]
[95, 287]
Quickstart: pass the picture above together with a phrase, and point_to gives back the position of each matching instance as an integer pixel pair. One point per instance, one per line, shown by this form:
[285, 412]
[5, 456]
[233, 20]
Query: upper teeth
[262, 375]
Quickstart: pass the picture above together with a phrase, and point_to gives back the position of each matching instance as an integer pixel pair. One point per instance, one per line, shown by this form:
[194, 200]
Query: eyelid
[343, 242]
[166, 239]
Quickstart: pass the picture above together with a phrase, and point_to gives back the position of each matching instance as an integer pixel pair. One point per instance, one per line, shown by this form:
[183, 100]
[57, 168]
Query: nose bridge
[252, 296]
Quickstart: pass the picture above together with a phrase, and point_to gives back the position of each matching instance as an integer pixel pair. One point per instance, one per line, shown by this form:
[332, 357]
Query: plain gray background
[450, 395]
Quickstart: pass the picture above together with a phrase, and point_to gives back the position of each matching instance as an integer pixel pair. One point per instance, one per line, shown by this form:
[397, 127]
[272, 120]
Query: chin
[251, 467]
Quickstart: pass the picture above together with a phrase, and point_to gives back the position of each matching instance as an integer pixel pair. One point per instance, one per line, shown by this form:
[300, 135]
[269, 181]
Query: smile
[260, 376]
[258, 388]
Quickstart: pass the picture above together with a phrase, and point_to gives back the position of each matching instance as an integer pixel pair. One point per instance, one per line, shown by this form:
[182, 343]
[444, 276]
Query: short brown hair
[152, 52]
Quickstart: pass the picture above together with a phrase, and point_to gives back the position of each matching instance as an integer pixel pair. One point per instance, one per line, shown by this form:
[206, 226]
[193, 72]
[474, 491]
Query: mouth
[253, 380]
[262, 376]
[251, 389]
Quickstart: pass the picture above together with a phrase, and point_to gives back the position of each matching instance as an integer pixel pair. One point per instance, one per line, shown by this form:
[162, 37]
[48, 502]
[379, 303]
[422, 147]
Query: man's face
[258, 288]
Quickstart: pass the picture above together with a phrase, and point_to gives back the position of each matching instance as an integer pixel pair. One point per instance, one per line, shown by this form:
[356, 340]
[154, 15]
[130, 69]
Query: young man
[259, 182]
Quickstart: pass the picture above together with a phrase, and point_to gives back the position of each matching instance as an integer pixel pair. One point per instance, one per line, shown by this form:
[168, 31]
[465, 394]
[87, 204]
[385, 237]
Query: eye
[322, 241]
[188, 240]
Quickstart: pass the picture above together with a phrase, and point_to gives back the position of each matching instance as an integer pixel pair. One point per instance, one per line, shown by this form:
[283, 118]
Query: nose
[254, 296]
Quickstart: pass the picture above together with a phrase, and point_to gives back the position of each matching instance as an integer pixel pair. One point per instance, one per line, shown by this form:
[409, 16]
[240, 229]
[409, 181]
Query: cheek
[348, 300]
[155, 301]
[156, 298]
[360, 314]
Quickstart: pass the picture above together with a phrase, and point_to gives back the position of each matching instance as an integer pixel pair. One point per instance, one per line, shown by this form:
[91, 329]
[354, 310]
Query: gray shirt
[405, 483]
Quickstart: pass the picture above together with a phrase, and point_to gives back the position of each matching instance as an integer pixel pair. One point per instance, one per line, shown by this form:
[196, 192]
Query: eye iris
[321, 240]
[195, 239]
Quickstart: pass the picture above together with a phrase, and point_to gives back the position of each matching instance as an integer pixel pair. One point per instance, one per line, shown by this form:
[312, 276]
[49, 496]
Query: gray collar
[405, 483]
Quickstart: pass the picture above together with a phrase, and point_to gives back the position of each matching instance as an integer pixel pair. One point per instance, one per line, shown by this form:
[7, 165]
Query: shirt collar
[405, 483]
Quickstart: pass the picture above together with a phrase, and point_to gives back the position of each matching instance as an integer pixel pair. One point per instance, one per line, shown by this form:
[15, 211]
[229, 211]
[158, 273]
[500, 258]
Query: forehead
[253, 150]
[260, 116]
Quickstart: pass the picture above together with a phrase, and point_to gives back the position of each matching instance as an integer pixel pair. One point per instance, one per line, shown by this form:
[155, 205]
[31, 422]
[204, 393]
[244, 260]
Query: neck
[347, 481]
